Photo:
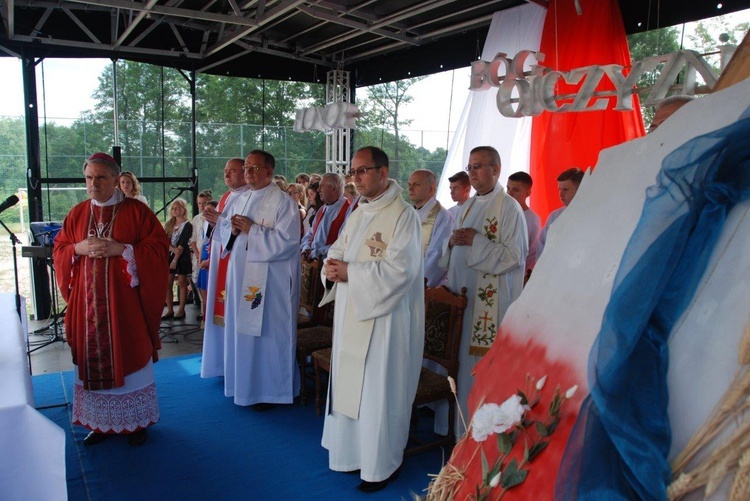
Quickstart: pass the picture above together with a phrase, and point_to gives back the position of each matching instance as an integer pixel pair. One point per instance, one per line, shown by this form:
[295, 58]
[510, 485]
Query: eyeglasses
[362, 170]
[253, 168]
[472, 167]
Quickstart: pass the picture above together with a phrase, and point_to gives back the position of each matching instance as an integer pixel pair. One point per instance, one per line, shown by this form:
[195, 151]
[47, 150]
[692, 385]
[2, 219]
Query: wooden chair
[316, 333]
[321, 363]
[310, 293]
[444, 313]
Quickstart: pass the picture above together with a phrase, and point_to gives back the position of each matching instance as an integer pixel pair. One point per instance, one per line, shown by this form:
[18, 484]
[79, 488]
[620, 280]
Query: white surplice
[263, 368]
[390, 292]
[506, 257]
[441, 232]
[212, 361]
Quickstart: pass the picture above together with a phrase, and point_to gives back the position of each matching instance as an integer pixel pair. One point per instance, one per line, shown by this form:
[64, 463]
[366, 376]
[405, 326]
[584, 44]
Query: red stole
[99, 365]
[221, 274]
[338, 221]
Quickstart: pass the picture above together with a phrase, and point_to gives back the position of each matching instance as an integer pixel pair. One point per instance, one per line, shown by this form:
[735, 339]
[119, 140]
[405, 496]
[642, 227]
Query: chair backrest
[444, 314]
[311, 289]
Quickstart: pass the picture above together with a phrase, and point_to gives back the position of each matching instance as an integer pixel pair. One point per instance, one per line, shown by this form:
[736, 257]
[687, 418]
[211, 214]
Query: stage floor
[55, 356]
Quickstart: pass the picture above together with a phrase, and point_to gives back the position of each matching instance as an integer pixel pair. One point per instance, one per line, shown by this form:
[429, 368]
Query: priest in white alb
[261, 236]
[486, 254]
[212, 361]
[437, 223]
[375, 273]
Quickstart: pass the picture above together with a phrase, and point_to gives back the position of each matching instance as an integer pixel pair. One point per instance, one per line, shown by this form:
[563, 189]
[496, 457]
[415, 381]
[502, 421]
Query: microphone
[9, 202]
[181, 188]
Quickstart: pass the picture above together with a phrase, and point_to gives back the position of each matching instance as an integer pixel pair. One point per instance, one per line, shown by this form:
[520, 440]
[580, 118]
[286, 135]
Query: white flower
[482, 422]
[540, 383]
[495, 480]
[493, 418]
[571, 391]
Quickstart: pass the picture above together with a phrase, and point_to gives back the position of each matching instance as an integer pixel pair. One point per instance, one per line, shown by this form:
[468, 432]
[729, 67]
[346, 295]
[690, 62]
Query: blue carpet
[205, 447]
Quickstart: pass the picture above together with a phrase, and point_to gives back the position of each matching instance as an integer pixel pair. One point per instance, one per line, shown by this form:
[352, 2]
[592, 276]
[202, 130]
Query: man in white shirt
[460, 192]
[519, 187]
[567, 186]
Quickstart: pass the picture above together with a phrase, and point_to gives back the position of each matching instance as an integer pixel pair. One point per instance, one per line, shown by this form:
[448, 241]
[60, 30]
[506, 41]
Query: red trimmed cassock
[114, 310]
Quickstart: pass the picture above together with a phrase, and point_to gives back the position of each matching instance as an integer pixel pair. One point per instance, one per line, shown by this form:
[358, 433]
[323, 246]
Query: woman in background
[179, 231]
[350, 192]
[130, 186]
[313, 204]
[297, 192]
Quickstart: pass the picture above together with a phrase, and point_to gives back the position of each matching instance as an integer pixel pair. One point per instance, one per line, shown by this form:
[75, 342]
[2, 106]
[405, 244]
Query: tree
[227, 106]
[705, 37]
[149, 98]
[382, 109]
[647, 44]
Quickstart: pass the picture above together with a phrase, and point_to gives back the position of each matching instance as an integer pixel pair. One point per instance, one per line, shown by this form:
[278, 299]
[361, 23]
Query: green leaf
[513, 435]
[553, 426]
[524, 400]
[536, 449]
[485, 468]
[504, 443]
[512, 476]
[541, 429]
[554, 406]
[494, 471]
[525, 449]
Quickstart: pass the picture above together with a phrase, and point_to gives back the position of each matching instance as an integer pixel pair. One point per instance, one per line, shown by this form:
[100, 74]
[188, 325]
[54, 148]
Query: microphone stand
[180, 192]
[14, 240]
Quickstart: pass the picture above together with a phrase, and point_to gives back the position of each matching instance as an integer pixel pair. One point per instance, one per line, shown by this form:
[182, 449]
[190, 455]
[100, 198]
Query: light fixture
[719, 6]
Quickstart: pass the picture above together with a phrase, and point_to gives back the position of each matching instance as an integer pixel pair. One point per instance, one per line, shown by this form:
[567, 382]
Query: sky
[434, 111]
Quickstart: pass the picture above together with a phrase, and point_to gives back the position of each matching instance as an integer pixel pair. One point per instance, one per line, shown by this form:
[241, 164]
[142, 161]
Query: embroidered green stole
[484, 315]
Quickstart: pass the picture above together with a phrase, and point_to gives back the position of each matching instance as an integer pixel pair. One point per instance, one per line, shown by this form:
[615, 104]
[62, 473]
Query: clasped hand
[462, 236]
[337, 271]
[96, 247]
[211, 215]
[240, 224]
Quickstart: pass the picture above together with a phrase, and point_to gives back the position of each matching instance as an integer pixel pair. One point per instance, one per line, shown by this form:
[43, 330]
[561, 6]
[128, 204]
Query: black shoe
[138, 438]
[369, 487]
[262, 407]
[94, 438]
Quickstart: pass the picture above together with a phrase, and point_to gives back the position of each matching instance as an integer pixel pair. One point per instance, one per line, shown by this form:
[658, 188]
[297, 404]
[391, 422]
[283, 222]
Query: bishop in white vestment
[263, 279]
[486, 254]
[376, 266]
